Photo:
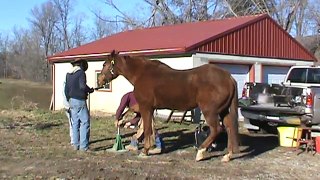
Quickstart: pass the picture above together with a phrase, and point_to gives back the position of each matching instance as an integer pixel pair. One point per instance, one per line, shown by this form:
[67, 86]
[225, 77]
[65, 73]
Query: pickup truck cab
[296, 101]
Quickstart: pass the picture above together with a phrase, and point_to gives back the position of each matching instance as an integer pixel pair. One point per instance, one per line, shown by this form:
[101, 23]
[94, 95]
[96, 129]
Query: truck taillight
[309, 100]
[244, 92]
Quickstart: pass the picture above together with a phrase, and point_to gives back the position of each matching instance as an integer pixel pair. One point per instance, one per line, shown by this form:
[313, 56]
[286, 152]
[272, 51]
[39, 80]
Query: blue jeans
[158, 141]
[80, 123]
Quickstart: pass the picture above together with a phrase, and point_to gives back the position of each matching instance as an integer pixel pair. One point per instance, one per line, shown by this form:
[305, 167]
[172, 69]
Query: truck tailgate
[269, 108]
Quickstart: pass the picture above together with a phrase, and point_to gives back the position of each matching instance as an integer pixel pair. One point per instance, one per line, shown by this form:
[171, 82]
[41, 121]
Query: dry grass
[20, 94]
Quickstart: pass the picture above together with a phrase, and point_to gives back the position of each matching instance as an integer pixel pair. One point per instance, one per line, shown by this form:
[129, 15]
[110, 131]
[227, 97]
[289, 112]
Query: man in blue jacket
[76, 91]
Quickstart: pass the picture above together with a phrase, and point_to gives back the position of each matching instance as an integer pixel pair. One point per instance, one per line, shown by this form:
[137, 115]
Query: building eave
[148, 52]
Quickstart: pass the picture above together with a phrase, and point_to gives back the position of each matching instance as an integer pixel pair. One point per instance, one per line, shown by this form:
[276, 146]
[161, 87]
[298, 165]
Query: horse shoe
[200, 156]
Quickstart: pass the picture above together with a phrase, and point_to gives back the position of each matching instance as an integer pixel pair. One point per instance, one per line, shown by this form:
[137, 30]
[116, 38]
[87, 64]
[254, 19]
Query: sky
[16, 12]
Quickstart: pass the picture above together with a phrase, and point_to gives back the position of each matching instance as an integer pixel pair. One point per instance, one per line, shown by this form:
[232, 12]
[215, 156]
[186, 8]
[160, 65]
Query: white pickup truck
[294, 102]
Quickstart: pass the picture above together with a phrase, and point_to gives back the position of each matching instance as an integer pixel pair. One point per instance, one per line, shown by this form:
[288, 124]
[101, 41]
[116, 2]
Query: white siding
[178, 63]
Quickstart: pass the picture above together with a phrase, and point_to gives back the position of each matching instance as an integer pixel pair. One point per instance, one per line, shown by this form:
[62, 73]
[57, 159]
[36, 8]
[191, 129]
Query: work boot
[133, 146]
[155, 151]
[87, 150]
[159, 145]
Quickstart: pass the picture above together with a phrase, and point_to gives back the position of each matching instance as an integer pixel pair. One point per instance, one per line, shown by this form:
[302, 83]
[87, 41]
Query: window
[313, 76]
[305, 75]
[107, 86]
[298, 75]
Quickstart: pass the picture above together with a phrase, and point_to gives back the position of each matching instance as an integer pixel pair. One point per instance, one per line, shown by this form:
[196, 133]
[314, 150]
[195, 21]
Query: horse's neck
[131, 68]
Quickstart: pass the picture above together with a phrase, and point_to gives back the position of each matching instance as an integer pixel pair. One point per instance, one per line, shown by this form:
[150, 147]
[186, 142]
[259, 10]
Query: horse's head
[108, 72]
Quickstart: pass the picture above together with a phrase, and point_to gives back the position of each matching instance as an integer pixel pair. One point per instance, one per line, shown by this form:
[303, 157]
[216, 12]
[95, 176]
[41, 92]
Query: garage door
[239, 72]
[274, 74]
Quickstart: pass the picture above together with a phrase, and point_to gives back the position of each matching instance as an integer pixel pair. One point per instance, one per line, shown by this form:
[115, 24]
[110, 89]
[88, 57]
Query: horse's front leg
[147, 115]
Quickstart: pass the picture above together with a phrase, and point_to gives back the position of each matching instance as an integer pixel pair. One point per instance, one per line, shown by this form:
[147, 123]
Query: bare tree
[44, 19]
[78, 33]
[4, 53]
[289, 14]
[64, 8]
[101, 28]
[164, 12]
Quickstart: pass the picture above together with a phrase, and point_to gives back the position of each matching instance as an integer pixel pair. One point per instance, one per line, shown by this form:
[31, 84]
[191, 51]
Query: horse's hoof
[200, 156]
[226, 158]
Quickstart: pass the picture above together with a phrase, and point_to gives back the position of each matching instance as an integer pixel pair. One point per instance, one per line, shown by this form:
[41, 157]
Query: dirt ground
[35, 145]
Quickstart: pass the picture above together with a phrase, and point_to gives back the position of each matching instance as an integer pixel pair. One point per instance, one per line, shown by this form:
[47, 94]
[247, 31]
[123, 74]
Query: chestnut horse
[157, 86]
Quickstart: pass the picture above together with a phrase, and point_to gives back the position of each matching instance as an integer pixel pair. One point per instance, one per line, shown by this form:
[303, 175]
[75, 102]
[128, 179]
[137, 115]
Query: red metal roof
[238, 35]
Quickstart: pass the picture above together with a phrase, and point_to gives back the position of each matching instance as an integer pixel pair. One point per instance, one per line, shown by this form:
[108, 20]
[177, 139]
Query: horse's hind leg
[212, 120]
[231, 124]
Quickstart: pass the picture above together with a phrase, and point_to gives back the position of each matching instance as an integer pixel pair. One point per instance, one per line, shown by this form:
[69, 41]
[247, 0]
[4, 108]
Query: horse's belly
[178, 104]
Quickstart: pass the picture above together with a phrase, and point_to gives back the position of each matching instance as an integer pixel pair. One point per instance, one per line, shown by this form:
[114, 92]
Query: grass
[24, 106]
[20, 94]
[42, 133]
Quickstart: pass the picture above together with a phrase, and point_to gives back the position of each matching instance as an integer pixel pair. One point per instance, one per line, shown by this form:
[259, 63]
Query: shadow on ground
[251, 145]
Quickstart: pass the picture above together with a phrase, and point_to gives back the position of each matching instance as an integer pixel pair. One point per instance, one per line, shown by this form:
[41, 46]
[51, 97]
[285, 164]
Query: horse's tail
[234, 117]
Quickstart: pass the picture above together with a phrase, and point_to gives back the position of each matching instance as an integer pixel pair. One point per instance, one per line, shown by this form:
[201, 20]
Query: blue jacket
[76, 85]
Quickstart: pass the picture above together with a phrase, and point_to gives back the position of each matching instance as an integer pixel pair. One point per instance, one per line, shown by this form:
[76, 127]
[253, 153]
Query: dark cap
[78, 61]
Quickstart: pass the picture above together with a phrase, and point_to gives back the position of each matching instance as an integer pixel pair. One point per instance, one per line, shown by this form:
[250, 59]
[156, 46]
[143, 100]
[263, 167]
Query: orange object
[318, 144]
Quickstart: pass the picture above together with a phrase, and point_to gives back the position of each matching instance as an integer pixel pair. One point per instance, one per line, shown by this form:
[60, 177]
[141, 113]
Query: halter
[111, 67]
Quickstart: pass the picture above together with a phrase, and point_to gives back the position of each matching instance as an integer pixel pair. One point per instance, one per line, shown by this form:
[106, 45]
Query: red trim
[252, 77]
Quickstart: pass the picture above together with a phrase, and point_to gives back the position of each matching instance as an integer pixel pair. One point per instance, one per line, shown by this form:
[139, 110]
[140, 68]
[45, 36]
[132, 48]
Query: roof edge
[101, 55]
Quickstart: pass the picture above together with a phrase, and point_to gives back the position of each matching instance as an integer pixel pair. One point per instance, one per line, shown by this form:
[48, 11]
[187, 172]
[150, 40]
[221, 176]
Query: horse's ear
[113, 53]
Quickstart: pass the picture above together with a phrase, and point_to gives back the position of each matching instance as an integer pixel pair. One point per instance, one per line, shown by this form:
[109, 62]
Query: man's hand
[127, 125]
[118, 122]
[91, 90]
